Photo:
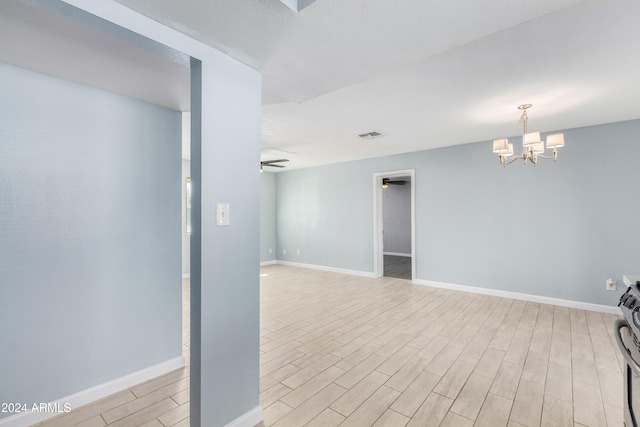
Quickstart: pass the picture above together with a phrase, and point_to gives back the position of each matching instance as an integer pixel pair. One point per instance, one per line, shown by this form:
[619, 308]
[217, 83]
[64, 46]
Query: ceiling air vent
[370, 135]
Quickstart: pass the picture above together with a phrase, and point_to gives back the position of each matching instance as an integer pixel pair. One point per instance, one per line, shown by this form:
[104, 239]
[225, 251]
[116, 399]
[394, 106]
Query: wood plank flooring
[352, 351]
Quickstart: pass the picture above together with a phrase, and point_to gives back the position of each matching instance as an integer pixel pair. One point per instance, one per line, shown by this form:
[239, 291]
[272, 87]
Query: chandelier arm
[513, 159]
[530, 144]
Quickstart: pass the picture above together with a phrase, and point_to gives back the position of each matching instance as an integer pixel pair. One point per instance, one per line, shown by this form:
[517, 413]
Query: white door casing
[378, 239]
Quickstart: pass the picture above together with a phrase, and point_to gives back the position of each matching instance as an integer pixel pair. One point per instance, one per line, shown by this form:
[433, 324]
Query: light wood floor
[351, 351]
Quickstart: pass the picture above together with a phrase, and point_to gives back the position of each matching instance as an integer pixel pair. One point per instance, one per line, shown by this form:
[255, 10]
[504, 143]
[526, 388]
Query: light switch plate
[222, 214]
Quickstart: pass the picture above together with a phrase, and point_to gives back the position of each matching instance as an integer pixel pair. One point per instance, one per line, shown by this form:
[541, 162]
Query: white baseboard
[474, 289]
[186, 275]
[325, 268]
[92, 394]
[272, 262]
[397, 254]
[521, 296]
[248, 419]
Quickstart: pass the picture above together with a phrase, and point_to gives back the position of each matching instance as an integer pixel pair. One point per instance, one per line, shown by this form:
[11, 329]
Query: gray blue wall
[557, 230]
[225, 261]
[89, 236]
[326, 213]
[267, 217]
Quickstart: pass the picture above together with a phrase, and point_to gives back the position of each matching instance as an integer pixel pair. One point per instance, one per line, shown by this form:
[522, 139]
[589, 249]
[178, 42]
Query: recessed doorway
[394, 224]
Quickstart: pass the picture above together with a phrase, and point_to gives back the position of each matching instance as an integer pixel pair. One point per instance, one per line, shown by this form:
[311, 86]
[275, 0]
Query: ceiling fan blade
[266, 162]
[273, 163]
[388, 181]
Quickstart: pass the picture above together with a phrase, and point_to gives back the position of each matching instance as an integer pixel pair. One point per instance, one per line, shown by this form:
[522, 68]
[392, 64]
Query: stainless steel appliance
[627, 333]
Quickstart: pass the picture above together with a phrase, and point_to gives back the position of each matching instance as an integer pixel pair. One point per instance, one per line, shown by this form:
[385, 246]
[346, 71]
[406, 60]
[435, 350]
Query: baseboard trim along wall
[325, 268]
[248, 419]
[92, 394]
[272, 262]
[186, 275]
[521, 296]
[475, 290]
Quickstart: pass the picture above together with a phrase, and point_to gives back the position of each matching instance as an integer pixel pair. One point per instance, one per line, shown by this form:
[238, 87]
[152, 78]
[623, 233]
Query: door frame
[378, 239]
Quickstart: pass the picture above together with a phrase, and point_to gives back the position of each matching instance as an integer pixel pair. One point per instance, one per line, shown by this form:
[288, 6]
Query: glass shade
[500, 145]
[530, 138]
[538, 147]
[555, 141]
[509, 151]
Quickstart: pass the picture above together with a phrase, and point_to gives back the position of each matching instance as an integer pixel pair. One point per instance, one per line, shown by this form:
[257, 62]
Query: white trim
[92, 394]
[325, 268]
[396, 254]
[474, 289]
[378, 238]
[272, 262]
[521, 296]
[186, 275]
[248, 419]
[378, 242]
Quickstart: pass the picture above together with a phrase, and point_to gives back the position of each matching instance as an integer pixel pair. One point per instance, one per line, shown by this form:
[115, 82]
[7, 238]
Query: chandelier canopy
[532, 145]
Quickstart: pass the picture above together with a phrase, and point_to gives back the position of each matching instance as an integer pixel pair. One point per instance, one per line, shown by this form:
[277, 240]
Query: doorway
[394, 224]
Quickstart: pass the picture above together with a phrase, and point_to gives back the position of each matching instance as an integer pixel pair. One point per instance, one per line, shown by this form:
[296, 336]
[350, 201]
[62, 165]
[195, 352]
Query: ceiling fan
[386, 182]
[273, 163]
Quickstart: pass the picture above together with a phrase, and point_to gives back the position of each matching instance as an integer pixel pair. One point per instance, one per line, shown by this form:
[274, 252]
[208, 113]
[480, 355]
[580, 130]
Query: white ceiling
[425, 74]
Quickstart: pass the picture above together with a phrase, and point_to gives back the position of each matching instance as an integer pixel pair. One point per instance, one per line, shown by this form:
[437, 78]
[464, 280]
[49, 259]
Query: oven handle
[619, 324]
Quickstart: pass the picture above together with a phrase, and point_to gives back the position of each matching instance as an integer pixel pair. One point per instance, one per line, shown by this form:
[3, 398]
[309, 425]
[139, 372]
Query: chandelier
[532, 145]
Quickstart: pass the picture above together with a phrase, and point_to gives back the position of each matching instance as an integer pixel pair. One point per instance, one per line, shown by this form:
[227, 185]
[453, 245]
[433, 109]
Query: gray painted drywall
[89, 236]
[195, 251]
[557, 230]
[396, 218]
[326, 212]
[225, 259]
[186, 238]
[267, 217]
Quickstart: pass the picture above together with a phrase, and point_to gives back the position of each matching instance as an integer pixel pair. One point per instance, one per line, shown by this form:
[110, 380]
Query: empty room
[319, 213]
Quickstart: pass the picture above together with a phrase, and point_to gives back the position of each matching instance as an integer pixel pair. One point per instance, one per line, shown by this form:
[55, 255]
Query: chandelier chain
[523, 120]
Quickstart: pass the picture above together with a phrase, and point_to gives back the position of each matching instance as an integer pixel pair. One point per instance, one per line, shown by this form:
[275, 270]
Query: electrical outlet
[611, 284]
[284, 252]
[298, 252]
[270, 250]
